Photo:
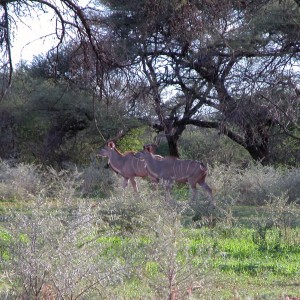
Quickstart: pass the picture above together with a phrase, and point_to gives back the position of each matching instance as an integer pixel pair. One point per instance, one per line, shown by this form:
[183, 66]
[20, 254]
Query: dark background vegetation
[174, 66]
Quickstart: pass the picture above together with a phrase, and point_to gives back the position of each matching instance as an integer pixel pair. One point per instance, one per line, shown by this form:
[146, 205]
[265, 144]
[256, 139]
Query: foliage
[19, 182]
[134, 139]
[64, 245]
[208, 146]
[56, 123]
[253, 185]
[285, 149]
[52, 250]
[209, 74]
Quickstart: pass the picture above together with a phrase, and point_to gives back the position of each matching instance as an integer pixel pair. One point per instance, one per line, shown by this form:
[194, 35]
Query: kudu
[172, 169]
[126, 165]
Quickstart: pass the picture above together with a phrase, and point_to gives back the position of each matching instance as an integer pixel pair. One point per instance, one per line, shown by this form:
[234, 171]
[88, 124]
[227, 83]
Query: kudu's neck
[115, 160]
[151, 164]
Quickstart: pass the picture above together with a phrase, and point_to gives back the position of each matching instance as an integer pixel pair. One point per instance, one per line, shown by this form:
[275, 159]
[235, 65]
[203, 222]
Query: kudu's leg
[154, 183]
[133, 183]
[167, 184]
[208, 189]
[125, 183]
[194, 192]
[193, 189]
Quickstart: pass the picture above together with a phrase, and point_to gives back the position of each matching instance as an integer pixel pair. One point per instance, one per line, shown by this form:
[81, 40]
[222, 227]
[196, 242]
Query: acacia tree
[74, 24]
[234, 59]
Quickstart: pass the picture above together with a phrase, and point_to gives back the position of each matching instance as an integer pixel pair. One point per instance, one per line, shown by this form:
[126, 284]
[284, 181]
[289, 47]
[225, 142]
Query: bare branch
[216, 125]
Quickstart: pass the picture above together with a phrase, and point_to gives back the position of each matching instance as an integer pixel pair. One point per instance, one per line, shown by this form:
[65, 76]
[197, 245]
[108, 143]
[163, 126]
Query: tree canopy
[231, 65]
[235, 60]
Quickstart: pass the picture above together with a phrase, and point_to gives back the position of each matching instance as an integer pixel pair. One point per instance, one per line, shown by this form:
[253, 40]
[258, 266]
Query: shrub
[97, 179]
[254, 184]
[53, 250]
[212, 148]
[257, 182]
[19, 181]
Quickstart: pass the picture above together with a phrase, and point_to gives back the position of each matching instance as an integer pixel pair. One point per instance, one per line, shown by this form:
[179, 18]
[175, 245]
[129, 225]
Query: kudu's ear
[147, 147]
[150, 148]
[111, 145]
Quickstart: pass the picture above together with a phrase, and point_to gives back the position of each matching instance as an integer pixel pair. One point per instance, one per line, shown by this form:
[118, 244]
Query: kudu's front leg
[133, 183]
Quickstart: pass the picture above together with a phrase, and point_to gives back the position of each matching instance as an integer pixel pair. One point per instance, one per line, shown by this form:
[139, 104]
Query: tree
[229, 66]
[204, 63]
[73, 26]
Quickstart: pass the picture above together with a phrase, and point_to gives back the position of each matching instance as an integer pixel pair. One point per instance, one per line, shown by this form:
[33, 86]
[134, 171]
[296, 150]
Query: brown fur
[173, 169]
[127, 165]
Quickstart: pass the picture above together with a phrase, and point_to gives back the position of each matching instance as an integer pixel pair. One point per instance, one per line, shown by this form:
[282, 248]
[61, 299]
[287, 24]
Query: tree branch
[216, 125]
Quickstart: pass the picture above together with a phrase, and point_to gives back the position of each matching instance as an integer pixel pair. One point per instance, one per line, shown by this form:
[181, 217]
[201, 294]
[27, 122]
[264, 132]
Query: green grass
[237, 251]
[238, 262]
[241, 264]
[246, 259]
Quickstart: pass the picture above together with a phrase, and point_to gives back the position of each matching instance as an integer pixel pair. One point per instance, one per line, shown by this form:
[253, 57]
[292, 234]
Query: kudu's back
[172, 168]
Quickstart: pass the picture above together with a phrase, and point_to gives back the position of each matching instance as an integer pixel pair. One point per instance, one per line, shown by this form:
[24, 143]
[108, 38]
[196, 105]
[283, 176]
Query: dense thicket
[50, 120]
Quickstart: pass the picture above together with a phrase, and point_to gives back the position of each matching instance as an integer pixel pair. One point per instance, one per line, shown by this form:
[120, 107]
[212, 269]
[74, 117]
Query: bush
[254, 184]
[208, 146]
[97, 179]
[64, 246]
[56, 251]
[19, 181]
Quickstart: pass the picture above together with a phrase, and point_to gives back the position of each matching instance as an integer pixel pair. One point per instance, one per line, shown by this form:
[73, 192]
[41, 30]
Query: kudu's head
[107, 149]
[150, 148]
[143, 153]
[110, 145]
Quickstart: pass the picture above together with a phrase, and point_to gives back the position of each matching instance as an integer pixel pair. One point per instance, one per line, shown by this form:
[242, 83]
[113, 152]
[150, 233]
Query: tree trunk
[173, 146]
[258, 143]
[259, 153]
[173, 135]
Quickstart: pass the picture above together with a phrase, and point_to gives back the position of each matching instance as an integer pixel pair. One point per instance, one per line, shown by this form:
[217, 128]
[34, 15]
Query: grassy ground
[251, 266]
[233, 264]
[142, 247]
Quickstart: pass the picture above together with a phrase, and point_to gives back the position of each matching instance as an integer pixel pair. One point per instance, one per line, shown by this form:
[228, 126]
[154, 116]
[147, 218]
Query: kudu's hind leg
[168, 184]
[194, 193]
[125, 183]
[154, 183]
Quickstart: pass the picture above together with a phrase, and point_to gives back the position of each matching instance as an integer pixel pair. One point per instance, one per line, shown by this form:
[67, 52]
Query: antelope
[172, 169]
[126, 165]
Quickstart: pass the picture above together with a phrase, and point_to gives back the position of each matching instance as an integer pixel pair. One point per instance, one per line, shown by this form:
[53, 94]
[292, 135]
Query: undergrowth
[58, 240]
